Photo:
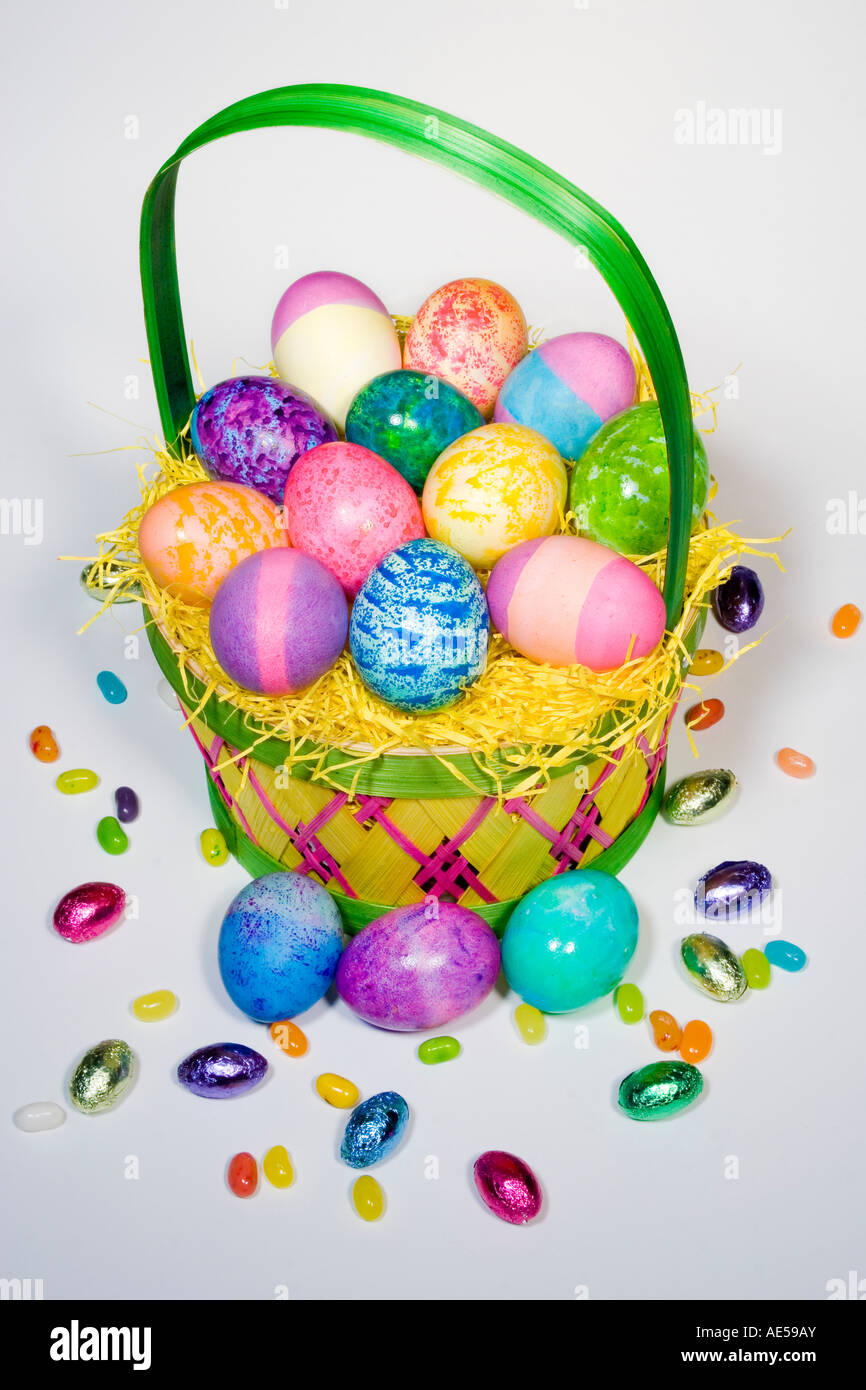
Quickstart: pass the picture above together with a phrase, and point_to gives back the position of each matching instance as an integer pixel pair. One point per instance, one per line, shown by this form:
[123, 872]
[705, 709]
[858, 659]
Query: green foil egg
[659, 1090]
[102, 580]
[700, 797]
[102, 1076]
[713, 967]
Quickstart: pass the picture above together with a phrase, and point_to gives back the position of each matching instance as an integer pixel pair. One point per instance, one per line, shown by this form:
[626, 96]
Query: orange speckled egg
[471, 333]
[192, 537]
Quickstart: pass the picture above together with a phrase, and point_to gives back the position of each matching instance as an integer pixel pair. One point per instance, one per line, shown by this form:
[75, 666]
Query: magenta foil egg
[507, 1186]
[88, 910]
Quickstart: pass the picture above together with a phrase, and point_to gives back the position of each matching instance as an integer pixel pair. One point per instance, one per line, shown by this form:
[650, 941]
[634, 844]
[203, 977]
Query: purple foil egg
[732, 888]
[88, 910]
[222, 1070]
[419, 966]
[507, 1186]
[739, 602]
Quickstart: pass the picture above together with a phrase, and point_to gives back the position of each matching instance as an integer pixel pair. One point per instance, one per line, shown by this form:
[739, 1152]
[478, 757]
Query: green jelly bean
[629, 1003]
[434, 1050]
[659, 1090]
[757, 968]
[112, 836]
[75, 780]
[213, 846]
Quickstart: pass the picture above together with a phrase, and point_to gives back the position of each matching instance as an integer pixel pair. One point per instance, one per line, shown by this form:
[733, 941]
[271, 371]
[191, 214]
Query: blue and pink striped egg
[568, 388]
[567, 601]
[278, 622]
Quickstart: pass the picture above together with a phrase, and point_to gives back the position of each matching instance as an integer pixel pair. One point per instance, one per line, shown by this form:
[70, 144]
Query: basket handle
[486, 160]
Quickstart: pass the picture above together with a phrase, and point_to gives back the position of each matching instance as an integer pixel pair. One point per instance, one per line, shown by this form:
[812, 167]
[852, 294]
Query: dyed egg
[732, 889]
[567, 601]
[102, 1076]
[374, 1129]
[739, 602]
[330, 336]
[349, 508]
[193, 536]
[409, 970]
[278, 622]
[492, 489]
[89, 910]
[700, 797]
[222, 1070]
[620, 489]
[507, 1186]
[567, 388]
[569, 940]
[408, 419]
[713, 967]
[253, 429]
[471, 333]
[659, 1090]
[279, 944]
[419, 627]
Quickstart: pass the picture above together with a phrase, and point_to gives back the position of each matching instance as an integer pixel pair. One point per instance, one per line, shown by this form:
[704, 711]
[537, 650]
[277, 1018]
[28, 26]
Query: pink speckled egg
[564, 600]
[192, 537]
[471, 333]
[348, 507]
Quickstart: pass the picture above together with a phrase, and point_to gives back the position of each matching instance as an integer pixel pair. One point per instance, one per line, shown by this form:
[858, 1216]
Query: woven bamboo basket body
[410, 823]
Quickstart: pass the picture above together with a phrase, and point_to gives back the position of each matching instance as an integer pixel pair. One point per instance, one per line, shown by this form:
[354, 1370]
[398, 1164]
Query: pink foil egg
[89, 910]
[507, 1186]
[349, 508]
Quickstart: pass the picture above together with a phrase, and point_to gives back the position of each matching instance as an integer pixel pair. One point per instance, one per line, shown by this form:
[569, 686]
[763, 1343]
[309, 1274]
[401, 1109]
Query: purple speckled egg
[507, 1186]
[253, 430]
[739, 602]
[419, 966]
[278, 622]
[222, 1070]
[88, 911]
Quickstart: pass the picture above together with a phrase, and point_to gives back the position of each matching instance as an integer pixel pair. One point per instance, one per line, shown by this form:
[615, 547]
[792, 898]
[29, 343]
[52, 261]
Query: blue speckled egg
[279, 945]
[374, 1129]
[408, 418]
[419, 627]
[570, 939]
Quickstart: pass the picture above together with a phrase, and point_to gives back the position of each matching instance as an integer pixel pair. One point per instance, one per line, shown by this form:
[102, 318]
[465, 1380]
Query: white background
[760, 259]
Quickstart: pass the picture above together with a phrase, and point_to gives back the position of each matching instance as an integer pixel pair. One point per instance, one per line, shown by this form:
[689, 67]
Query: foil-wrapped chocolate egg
[222, 1070]
[102, 1076]
[88, 911]
[713, 967]
[374, 1129]
[732, 888]
[507, 1186]
[659, 1090]
[700, 797]
[739, 602]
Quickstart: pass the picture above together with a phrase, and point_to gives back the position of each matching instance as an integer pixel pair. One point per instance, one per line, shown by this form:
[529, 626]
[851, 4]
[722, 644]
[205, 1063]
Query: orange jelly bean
[696, 1041]
[795, 764]
[243, 1175]
[846, 620]
[43, 744]
[666, 1030]
[289, 1037]
[704, 715]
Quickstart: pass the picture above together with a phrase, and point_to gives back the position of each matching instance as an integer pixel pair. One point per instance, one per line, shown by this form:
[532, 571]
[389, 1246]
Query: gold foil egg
[102, 1076]
[713, 967]
[700, 797]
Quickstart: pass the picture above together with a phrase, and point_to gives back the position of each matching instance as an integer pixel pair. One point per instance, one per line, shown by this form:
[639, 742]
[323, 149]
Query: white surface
[751, 273]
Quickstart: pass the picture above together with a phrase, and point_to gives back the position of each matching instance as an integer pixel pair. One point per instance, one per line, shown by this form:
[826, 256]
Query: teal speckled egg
[408, 418]
[570, 939]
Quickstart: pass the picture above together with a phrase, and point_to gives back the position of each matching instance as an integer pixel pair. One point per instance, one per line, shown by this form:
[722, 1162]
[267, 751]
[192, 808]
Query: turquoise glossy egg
[408, 418]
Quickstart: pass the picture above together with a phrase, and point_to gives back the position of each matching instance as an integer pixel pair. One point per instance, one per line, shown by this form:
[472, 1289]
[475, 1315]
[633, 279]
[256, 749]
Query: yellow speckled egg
[497, 486]
[192, 537]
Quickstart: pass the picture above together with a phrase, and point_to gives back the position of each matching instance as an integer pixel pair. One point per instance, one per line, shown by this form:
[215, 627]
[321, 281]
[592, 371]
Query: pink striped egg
[278, 622]
[564, 600]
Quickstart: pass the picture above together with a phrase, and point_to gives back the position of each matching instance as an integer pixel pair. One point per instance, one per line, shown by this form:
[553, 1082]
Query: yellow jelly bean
[75, 780]
[213, 846]
[757, 969]
[530, 1024]
[706, 662]
[277, 1167]
[336, 1090]
[629, 1003]
[151, 1008]
[368, 1198]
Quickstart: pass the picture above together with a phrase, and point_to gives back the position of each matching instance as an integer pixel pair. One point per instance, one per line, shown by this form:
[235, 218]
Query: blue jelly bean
[126, 804]
[112, 687]
[785, 955]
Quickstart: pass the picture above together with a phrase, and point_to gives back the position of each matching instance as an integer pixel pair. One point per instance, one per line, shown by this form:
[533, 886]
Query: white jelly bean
[38, 1115]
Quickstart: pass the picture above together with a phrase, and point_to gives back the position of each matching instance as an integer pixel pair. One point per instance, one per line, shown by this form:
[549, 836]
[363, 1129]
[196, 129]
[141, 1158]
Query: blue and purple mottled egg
[419, 966]
[221, 1070]
[279, 945]
[253, 429]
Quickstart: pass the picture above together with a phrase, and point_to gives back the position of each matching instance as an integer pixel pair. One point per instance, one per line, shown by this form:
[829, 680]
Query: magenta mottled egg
[419, 966]
[507, 1186]
[88, 910]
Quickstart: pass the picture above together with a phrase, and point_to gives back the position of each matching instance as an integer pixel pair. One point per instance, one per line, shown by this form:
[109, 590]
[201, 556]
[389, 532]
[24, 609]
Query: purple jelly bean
[126, 802]
[739, 602]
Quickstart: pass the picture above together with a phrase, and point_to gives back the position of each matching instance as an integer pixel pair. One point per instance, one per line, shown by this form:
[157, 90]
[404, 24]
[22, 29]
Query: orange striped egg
[192, 537]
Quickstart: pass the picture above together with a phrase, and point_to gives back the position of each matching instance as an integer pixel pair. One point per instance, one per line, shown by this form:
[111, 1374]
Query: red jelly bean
[243, 1175]
[666, 1030]
[704, 715]
[43, 744]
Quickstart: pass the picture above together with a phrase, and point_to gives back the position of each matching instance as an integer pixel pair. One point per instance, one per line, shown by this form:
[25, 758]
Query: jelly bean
[785, 955]
[530, 1024]
[696, 1041]
[507, 1186]
[39, 1115]
[713, 967]
[213, 847]
[43, 744]
[75, 780]
[659, 1090]
[757, 968]
[89, 910]
[706, 662]
[666, 1030]
[152, 1008]
[102, 579]
[704, 715]
[700, 797]
[277, 1167]
[739, 602]
[846, 620]
[112, 687]
[112, 836]
[167, 695]
[126, 804]
[289, 1037]
[629, 1003]
[337, 1091]
[102, 1076]
[243, 1175]
[368, 1198]
[795, 764]
[434, 1050]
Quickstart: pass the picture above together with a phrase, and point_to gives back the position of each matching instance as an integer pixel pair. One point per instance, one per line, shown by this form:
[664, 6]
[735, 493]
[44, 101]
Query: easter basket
[535, 771]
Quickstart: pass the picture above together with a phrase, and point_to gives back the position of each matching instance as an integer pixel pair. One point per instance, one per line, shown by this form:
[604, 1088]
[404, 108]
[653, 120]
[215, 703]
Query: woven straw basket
[407, 823]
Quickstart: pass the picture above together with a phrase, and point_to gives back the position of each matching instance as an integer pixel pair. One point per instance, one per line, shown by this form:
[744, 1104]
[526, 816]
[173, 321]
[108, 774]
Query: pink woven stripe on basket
[316, 858]
[210, 757]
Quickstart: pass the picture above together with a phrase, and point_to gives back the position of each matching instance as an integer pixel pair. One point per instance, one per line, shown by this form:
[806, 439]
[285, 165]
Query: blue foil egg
[374, 1129]
[222, 1070]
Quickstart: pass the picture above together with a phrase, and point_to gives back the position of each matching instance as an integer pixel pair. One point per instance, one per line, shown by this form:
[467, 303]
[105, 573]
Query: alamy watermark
[758, 126]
